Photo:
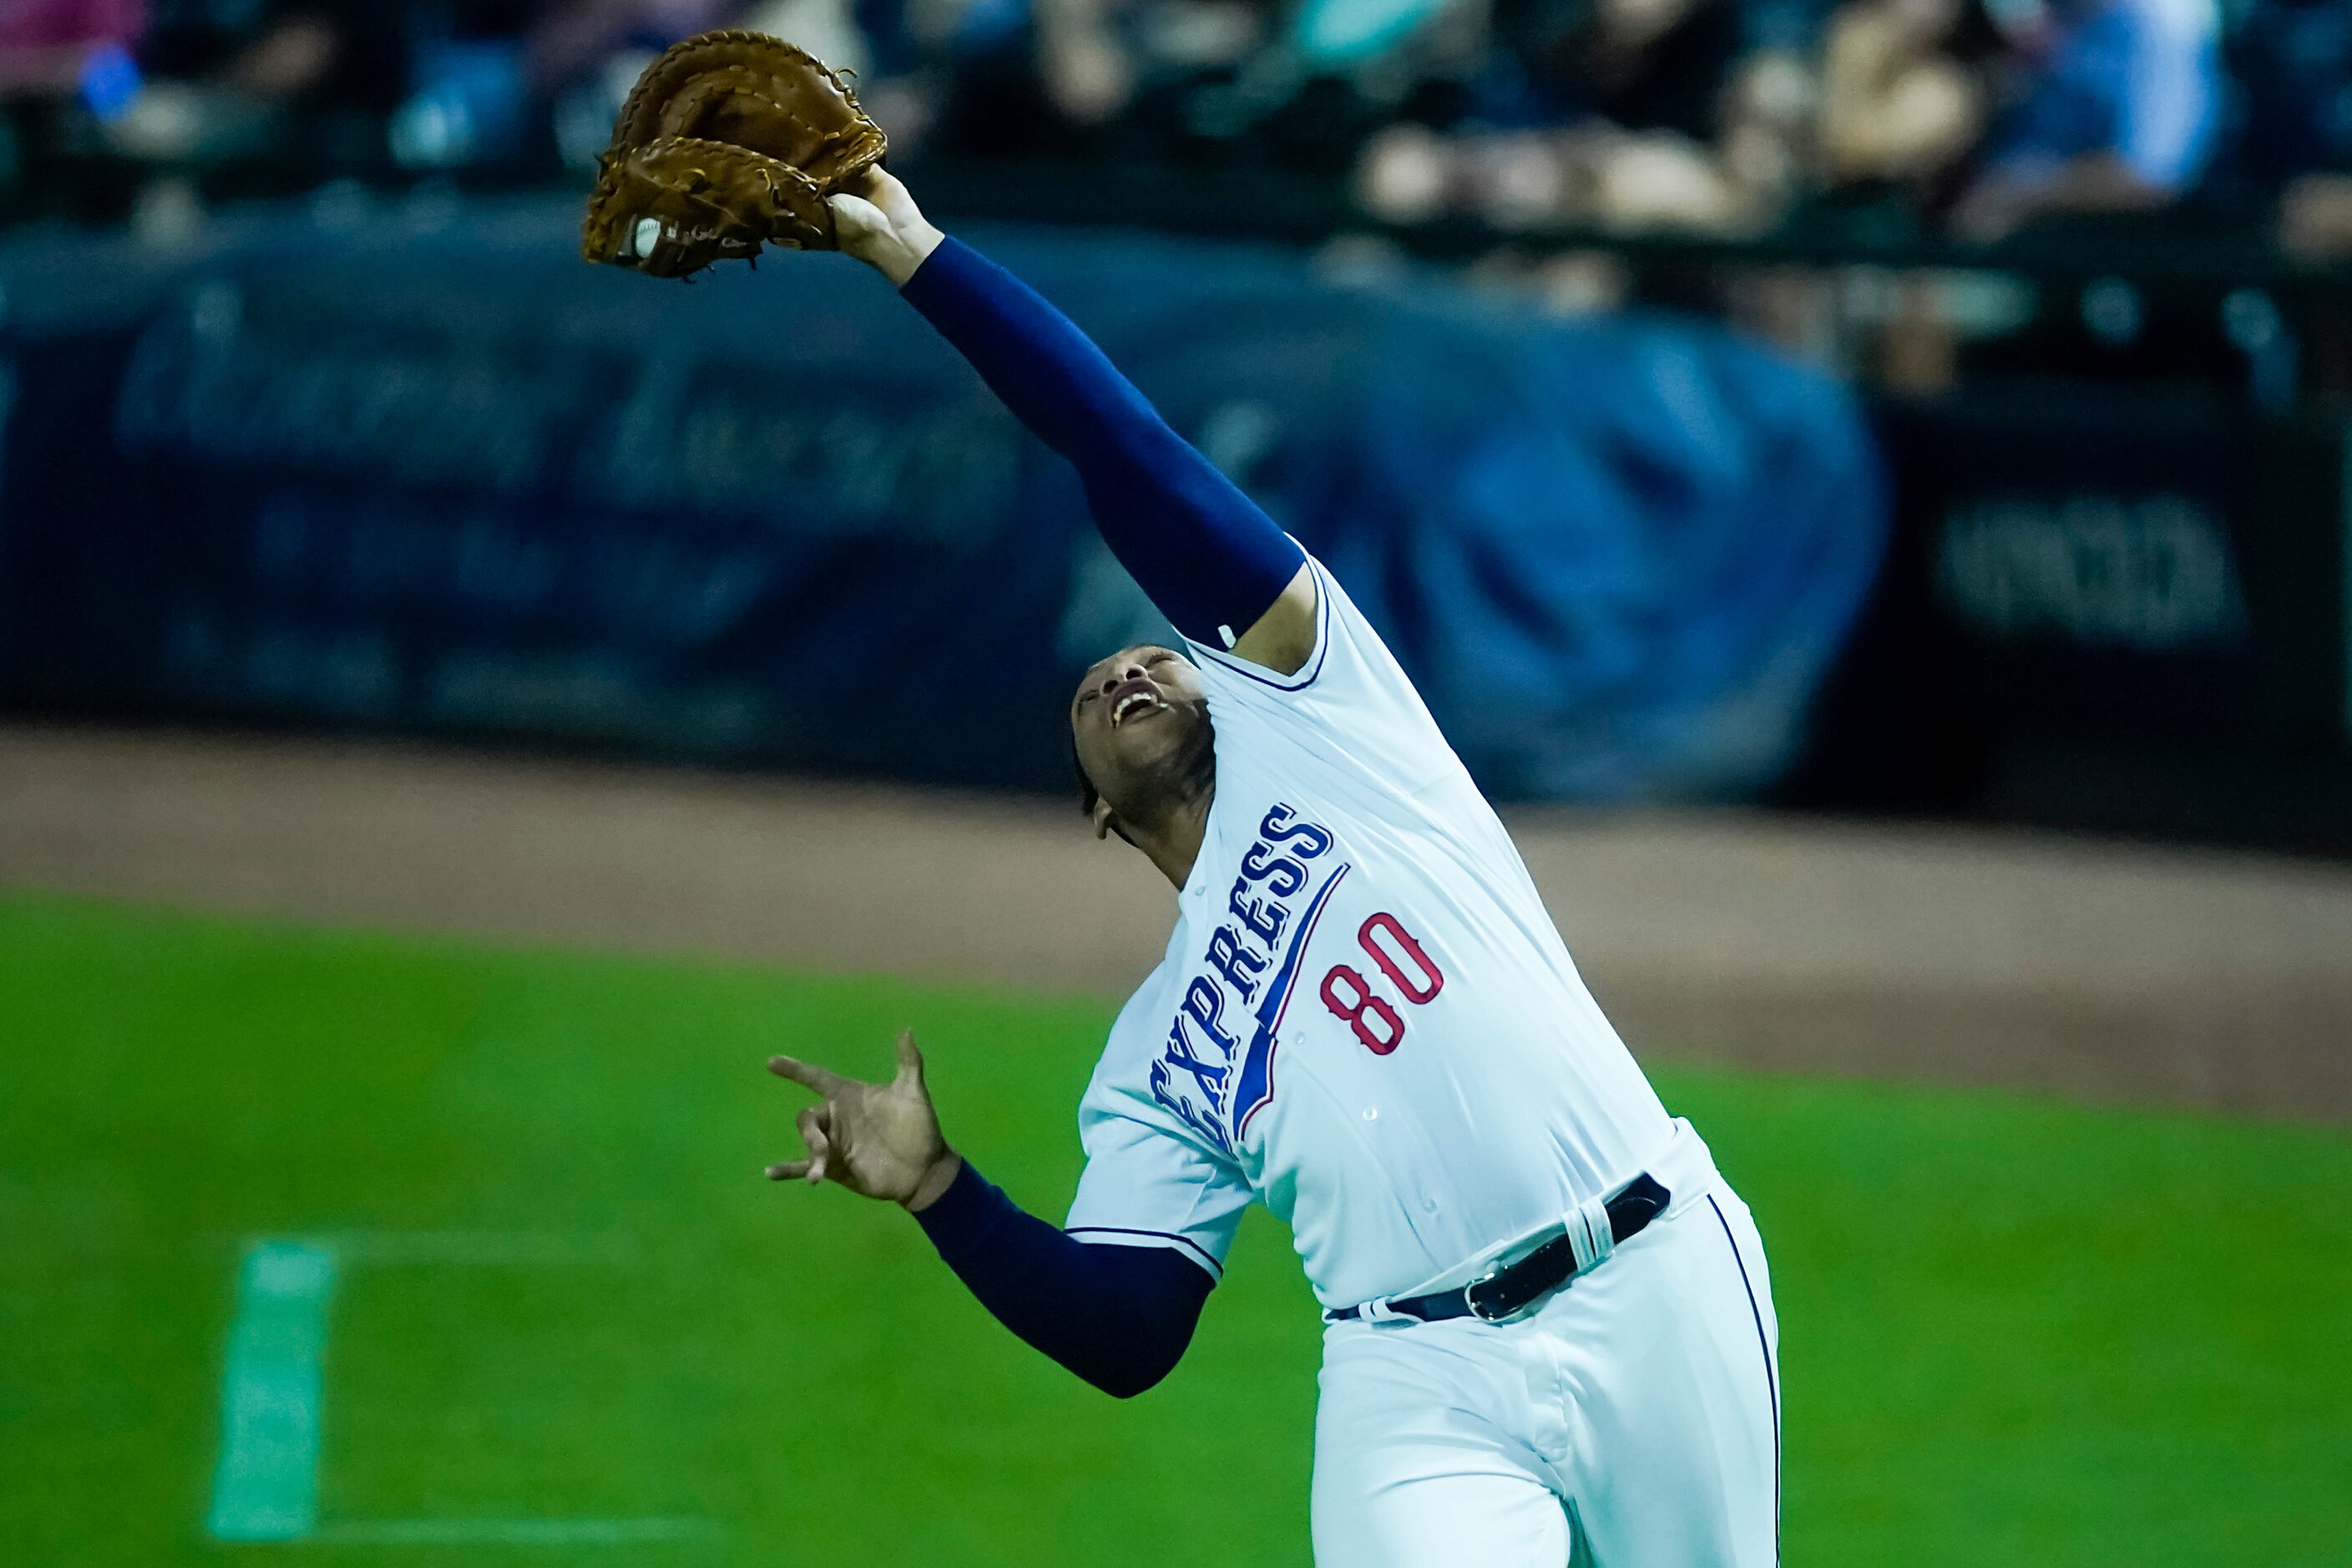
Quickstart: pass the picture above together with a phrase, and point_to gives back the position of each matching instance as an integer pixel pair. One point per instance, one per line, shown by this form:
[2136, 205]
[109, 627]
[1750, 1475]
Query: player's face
[1140, 718]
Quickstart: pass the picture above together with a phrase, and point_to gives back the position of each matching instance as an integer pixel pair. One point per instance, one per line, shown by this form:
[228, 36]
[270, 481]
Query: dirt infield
[2101, 972]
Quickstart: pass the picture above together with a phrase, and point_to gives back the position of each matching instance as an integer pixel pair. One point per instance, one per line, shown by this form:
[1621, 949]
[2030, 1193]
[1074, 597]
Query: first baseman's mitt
[729, 141]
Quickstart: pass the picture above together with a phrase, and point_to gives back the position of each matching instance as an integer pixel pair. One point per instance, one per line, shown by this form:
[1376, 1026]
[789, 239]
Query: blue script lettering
[1203, 1051]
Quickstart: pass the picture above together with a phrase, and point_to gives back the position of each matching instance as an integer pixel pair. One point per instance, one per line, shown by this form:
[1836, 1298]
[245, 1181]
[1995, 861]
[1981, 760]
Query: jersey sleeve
[1205, 553]
[1350, 708]
[1148, 1184]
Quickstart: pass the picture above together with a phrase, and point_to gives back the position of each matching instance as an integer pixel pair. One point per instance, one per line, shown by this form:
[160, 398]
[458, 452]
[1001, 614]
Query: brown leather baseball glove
[729, 141]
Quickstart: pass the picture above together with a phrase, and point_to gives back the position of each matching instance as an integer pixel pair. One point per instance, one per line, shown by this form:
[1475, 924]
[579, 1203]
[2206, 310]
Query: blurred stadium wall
[437, 476]
[402, 465]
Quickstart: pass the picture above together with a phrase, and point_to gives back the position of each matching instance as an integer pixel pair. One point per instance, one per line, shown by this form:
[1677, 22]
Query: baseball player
[1549, 1328]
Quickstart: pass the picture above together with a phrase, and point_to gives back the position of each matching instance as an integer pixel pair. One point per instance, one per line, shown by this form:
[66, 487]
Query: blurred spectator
[220, 78]
[2315, 217]
[582, 57]
[1771, 130]
[2113, 107]
[571, 38]
[1198, 80]
[2293, 61]
[46, 47]
[959, 70]
[1091, 64]
[1639, 64]
[1897, 106]
[1629, 114]
[1623, 115]
[350, 53]
[470, 92]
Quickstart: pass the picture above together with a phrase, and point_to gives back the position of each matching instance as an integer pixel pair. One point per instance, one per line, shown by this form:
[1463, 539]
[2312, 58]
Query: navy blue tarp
[419, 469]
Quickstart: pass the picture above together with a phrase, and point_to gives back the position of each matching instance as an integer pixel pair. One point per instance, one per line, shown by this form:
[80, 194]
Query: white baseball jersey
[1365, 1018]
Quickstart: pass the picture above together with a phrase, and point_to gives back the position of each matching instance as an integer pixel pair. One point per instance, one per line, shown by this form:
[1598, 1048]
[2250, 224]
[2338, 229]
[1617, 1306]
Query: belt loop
[1590, 1234]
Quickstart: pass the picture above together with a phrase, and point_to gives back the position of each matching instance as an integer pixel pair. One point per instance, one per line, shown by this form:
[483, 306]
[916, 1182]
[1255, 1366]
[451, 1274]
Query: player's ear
[1105, 820]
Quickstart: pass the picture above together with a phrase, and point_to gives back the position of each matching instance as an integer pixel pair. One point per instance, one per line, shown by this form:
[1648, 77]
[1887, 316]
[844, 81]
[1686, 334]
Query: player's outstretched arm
[1210, 559]
[1119, 1317]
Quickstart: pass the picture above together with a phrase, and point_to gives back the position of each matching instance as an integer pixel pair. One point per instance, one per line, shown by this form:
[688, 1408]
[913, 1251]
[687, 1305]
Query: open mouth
[1132, 700]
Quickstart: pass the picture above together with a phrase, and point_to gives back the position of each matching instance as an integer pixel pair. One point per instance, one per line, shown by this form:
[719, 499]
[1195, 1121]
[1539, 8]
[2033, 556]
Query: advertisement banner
[419, 469]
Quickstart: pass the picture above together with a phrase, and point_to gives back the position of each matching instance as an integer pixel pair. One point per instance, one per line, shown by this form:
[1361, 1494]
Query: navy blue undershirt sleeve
[1206, 554]
[1119, 1317]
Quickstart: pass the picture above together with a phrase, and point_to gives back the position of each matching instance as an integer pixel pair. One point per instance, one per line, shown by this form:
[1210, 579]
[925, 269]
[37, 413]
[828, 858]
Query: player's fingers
[910, 1061]
[814, 1132]
[855, 217]
[788, 1170]
[807, 1074]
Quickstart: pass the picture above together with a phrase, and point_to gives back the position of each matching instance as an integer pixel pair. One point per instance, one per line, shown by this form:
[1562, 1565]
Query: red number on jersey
[1432, 981]
[1366, 1002]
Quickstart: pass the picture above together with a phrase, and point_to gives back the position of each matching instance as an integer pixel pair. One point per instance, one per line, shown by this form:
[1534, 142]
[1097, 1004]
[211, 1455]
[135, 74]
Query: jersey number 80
[1351, 998]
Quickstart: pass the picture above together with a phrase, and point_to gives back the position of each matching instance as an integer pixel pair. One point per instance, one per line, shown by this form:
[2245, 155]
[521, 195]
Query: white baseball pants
[1631, 1420]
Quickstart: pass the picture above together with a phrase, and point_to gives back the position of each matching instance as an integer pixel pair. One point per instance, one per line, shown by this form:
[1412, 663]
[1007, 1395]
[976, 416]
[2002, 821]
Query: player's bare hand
[881, 226]
[878, 1139]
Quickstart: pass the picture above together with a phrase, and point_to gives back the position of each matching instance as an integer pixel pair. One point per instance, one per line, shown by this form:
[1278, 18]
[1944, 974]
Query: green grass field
[2014, 1331]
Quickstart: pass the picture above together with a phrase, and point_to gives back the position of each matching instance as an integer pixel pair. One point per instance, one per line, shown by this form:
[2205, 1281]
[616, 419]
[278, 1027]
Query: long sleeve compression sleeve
[1119, 1317]
[1209, 557]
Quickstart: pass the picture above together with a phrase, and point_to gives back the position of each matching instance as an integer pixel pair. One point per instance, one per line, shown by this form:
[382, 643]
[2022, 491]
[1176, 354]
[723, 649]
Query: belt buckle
[1470, 1297]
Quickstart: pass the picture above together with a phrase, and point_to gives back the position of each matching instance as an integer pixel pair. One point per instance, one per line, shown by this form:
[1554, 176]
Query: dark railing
[2262, 324]
[2201, 249]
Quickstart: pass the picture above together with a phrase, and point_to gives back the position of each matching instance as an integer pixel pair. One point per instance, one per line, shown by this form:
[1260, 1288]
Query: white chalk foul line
[265, 1487]
[517, 1532]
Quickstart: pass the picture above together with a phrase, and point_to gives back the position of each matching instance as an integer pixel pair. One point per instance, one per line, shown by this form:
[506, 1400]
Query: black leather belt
[1511, 1289]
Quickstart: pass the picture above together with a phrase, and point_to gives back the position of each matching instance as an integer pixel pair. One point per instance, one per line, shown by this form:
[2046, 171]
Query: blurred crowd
[1968, 117]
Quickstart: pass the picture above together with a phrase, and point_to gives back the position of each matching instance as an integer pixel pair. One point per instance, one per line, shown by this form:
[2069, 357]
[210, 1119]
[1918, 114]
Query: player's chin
[1143, 743]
